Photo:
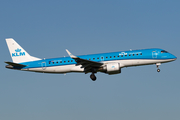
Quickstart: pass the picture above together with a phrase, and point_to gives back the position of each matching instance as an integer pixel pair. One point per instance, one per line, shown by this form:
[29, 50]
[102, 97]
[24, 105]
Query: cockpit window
[163, 51]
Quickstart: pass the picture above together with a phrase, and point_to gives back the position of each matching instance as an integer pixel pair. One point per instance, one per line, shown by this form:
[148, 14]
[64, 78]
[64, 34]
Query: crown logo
[18, 50]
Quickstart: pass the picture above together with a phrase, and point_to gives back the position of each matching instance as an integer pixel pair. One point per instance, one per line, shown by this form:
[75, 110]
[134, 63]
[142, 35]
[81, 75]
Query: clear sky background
[46, 28]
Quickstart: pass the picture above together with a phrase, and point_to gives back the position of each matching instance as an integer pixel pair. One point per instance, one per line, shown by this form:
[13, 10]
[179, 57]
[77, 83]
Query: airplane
[109, 63]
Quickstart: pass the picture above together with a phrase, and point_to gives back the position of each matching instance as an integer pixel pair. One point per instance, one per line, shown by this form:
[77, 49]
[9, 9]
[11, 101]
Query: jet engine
[112, 68]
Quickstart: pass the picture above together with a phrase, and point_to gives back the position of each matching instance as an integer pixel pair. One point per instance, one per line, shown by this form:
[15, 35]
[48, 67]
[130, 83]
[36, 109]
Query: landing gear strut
[157, 65]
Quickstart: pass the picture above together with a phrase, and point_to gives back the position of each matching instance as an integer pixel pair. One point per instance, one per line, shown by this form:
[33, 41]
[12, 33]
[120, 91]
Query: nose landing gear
[157, 65]
[158, 70]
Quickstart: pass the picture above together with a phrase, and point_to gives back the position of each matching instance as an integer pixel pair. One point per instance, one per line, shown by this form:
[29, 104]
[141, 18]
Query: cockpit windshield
[163, 51]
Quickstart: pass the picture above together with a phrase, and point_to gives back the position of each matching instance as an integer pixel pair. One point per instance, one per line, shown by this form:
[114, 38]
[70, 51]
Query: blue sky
[45, 29]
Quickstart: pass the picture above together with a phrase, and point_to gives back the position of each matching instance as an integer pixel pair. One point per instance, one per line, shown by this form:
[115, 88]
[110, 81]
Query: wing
[86, 64]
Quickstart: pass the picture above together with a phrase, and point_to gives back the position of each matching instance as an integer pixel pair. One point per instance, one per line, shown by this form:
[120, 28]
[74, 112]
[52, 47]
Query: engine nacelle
[112, 68]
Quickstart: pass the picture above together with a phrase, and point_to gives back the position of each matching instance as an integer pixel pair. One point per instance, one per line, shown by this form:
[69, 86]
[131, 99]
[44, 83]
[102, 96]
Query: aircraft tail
[18, 54]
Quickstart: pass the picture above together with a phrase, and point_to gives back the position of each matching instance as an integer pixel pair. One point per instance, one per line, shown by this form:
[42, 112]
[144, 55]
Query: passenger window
[68, 60]
[133, 54]
[57, 62]
[98, 58]
[118, 56]
[89, 58]
[60, 61]
[64, 61]
[106, 57]
[125, 55]
[136, 54]
[110, 57]
[49, 62]
[140, 53]
[71, 60]
[93, 58]
[121, 55]
[129, 55]
[114, 56]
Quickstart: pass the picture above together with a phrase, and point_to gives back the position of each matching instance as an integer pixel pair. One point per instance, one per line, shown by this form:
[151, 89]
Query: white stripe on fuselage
[75, 68]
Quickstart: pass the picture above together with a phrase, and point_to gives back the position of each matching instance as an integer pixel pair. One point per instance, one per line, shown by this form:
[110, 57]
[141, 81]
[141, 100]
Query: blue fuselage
[145, 54]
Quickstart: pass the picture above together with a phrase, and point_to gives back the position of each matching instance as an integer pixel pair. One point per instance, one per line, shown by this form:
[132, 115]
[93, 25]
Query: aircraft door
[154, 54]
[43, 64]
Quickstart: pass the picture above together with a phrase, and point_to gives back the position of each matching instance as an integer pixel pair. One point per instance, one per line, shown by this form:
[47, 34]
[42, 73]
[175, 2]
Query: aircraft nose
[174, 57]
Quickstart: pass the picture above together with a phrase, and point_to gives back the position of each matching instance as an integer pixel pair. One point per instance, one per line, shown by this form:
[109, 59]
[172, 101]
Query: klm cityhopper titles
[109, 63]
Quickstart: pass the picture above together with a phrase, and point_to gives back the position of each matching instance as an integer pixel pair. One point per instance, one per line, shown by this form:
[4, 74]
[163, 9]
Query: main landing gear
[92, 76]
[157, 65]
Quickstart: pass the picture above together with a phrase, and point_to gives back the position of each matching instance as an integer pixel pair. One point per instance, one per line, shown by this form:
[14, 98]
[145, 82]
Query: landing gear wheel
[158, 70]
[93, 77]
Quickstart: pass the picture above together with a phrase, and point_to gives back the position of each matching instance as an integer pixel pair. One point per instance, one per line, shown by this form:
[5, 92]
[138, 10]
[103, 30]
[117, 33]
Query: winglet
[71, 55]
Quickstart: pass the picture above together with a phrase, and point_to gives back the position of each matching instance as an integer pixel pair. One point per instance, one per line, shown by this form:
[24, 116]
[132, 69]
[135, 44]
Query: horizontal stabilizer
[15, 64]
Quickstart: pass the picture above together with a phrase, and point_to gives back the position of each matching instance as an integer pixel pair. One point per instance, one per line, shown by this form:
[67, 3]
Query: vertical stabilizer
[18, 54]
